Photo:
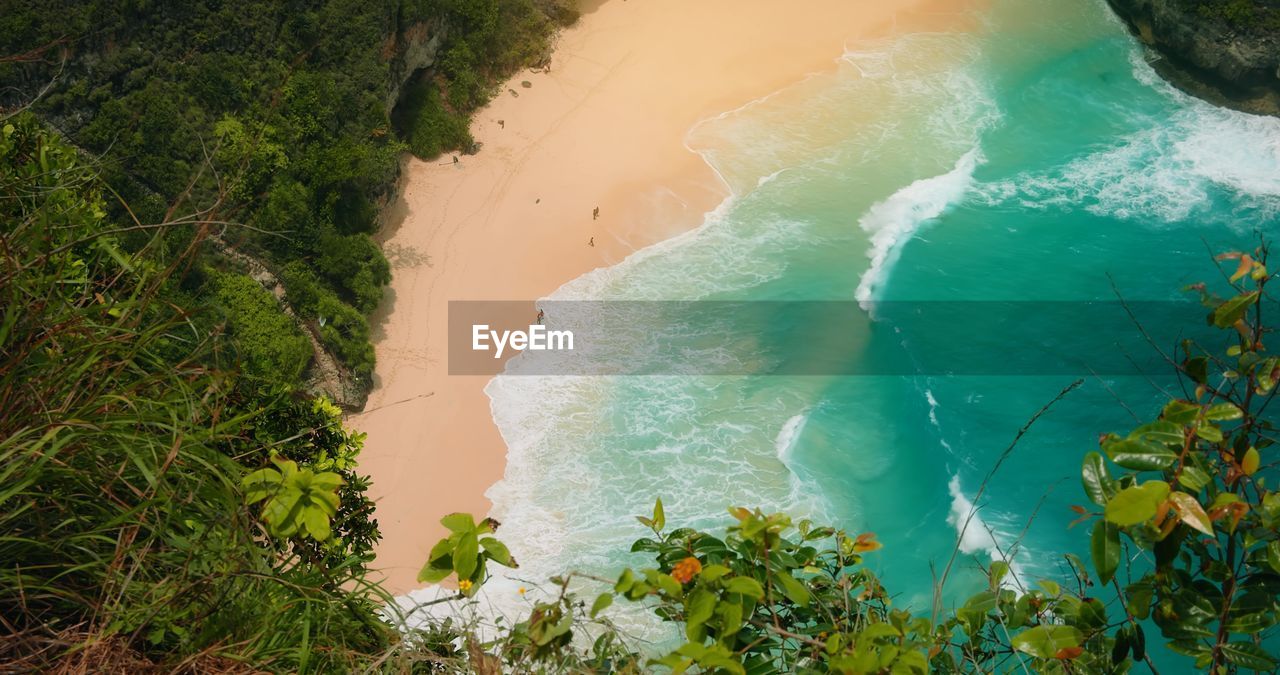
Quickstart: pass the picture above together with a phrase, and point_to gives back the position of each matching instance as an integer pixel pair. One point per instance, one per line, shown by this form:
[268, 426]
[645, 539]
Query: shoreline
[604, 127]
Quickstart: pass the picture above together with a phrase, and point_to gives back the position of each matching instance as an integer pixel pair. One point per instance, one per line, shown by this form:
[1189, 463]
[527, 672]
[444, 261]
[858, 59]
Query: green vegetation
[1185, 543]
[1246, 14]
[170, 499]
[125, 537]
[272, 115]
[270, 343]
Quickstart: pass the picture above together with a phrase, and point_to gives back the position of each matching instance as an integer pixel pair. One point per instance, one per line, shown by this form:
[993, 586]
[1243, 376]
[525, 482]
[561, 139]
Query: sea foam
[892, 222]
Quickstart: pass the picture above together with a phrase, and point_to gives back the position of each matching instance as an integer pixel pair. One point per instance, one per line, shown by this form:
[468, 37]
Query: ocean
[1035, 158]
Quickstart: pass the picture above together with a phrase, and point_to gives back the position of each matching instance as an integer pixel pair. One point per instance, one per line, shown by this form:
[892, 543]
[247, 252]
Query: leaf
[1191, 513]
[1193, 478]
[1246, 264]
[1248, 655]
[1223, 411]
[1233, 310]
[260, 484]
[1097, 481]
[498, 552]
[459, 522]
[326, 480]
[317, 524]
[698, 608]
[1137, 504]
[793, 589]
[1249, 465]
[430, 574]
[746, 586]
[713, 572]
[1140, 455]
[466, 555]
[1180, 412]
[1209, 432]
[1046, 641]
[730, 619]
[602, 603]
[1104, 546]
[1050, 587]
[1197, 369]
[659, 516]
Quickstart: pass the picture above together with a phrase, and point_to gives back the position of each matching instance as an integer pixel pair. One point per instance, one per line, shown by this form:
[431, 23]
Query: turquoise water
[1035, 158]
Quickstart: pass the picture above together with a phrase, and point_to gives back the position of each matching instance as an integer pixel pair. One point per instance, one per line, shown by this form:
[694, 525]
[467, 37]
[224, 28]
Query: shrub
[269, 342]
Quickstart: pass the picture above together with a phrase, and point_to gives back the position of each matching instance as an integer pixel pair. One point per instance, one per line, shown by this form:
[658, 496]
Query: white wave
[895, 220]
[1168, 170]
[975, 535]
[785, 443]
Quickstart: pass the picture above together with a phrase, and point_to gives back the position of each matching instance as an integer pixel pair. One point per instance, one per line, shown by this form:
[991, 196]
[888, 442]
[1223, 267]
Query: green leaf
[431, 574]
[713, 572]
[793, 589]
[1161, 431]
[746, 586]
[1097, 481]
[1209, 432]
[466, 555]
[659, 516]
[1140, 455]
[1104, 546]
[1231, 311]
[730, 619]
[602, 603]
[1180, 412]
[260, 484]
[1252, 623]
[1045, 642]
[497, 551]
[317, 524]
[1223, 411]
[1193, 478]
[1248, 655]
[1137, 504]
[459, 522]
[698, 609]
[326, 480]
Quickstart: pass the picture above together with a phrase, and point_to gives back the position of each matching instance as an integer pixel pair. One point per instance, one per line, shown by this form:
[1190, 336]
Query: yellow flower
[686, 569]
[464, 585]
[520, 590]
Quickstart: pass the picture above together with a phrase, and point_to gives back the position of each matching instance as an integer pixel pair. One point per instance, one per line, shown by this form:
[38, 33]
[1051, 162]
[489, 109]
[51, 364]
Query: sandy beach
[603, 127]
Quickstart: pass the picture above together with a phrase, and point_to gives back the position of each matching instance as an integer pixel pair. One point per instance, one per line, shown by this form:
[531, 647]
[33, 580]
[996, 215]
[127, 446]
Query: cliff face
[408, 50]
[1226, 52]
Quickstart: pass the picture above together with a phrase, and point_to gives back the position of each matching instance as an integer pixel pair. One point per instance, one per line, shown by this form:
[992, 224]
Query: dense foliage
[273, 114]
[125, 536]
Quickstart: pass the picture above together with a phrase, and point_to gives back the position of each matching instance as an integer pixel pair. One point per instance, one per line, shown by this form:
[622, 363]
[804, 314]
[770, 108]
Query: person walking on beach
[591, 242]
[595, 213]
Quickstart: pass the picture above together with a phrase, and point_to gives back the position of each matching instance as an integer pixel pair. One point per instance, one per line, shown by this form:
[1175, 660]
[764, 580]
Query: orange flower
[686, 569]
[866, 542]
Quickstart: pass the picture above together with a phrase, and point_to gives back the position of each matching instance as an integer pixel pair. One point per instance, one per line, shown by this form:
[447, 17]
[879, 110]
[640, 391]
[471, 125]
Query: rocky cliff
[410, 49]
[1224, 51]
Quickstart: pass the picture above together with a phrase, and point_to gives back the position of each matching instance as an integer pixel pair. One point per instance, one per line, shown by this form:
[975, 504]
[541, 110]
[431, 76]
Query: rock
[409, 50]
[526, 84]
[1234, 62]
